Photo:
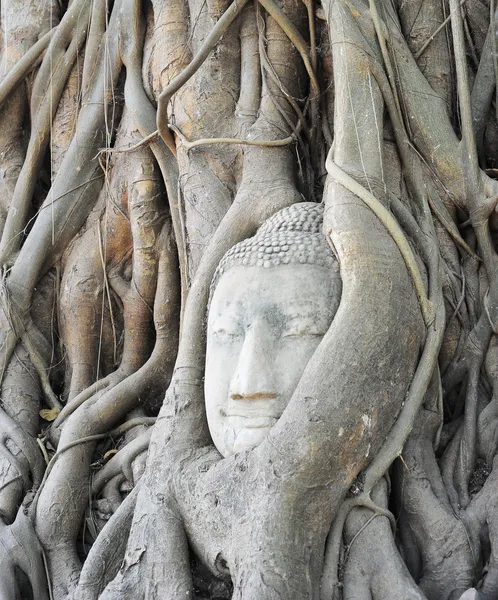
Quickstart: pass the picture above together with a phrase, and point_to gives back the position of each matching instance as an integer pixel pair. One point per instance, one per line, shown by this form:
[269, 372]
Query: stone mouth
[256, 396]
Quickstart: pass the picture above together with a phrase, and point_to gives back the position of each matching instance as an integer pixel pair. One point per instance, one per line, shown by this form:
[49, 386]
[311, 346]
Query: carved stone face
[263, 326]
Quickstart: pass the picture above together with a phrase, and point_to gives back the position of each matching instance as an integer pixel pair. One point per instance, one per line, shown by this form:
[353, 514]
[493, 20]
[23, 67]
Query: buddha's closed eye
[228, 334]
[308, 328]
[303, 333]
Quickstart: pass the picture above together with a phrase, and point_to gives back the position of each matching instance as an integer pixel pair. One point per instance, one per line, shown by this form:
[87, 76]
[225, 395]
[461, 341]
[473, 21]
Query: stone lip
[253, 421]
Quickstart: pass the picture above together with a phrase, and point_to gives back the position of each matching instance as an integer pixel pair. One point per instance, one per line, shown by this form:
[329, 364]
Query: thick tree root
[106, 555]
[21, 550]
[374, 569]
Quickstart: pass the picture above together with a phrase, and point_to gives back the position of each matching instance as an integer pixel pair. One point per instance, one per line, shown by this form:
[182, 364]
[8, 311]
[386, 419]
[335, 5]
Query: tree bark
[140, 141]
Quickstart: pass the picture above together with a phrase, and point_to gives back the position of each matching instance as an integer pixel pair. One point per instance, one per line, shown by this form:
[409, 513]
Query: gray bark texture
[139, 142]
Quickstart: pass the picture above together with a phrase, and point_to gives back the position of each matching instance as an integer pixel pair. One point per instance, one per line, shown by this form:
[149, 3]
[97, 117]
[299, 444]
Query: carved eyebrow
[305, 320]
[308, 328]
[315, 314]
[228, 310]
[318, 320]
[298, 315]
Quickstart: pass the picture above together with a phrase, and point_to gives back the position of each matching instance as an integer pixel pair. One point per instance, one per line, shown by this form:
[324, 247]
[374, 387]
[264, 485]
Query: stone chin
[245, 438]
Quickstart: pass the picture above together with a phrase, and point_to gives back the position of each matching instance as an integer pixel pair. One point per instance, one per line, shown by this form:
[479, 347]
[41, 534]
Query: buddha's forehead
[286, 290]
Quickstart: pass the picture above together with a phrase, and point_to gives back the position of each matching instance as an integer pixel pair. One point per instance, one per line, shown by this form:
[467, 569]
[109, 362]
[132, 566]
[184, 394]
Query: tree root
[183, 467]
[21, 550]
[43, 112]
[481, 520]
[88, 424]
[96, 389]
[211, 141]
[373, 568]
[11, 430]
[106, 554]
[439, 550]
[391, 449]
[121, 462]
[24, 65]
[209, 43]
[339, 175]
[295, 37]
[23, 329]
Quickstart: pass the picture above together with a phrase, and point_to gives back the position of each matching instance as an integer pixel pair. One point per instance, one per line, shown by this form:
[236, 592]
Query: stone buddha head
[273, 297]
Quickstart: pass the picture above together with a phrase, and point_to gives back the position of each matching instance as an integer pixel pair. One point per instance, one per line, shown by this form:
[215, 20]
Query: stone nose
[253, 378]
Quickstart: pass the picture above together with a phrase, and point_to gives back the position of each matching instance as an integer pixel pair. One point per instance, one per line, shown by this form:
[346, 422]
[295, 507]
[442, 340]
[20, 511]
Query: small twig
[467, 127]
[492, 26]
[43, 450]
[404, 462]
[295, 37]
[486, 309]
[210, 42]
[118, 431]
[460, 300]
[24, 65]
[450, 227]
[357, 534]
[209, 141]
[429, 40]
[144, 142]
[392, 227]
[47, 574]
